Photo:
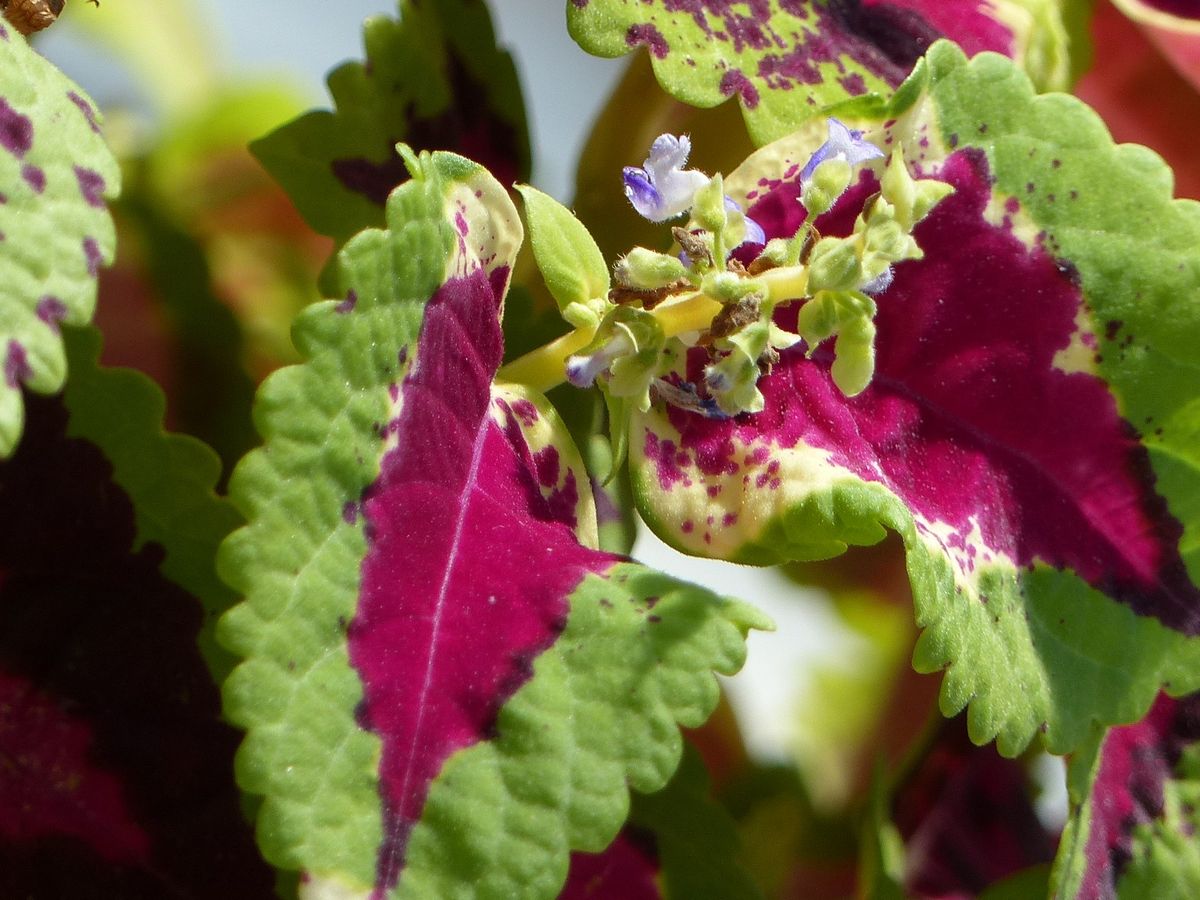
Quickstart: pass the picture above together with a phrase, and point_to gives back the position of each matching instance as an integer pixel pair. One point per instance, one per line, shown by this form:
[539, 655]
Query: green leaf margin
[170, 478]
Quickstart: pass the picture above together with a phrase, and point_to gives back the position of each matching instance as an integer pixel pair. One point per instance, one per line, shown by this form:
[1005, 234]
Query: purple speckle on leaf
[546, 463]
[349, 303]
[734, 82]
[526, 412]
[16, 130]
[854, 84]
[91, 185]
[51, 310]
[665, 457]
[35, 177]
[91, 253]
[645, 33]
[86, 108]
[16, 365]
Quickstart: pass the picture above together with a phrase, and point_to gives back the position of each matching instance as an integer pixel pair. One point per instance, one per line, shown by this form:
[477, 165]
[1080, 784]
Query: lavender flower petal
[662, 189]
[843, 143]
[645, 197]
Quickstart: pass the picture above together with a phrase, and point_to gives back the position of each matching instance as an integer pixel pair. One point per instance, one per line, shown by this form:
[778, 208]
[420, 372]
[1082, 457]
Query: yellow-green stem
[546, 367]
[785, 283]
[690, 312]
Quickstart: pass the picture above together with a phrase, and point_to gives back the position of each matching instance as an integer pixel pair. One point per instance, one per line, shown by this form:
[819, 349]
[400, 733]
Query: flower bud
[709, 210]
[834, 265]
[647, 270]
[828, 182]
[854, 356]
[817, 320]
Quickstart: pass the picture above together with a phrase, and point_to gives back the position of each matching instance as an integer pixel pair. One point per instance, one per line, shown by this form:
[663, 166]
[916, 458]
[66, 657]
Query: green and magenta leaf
[428, 632]
[1031, 428]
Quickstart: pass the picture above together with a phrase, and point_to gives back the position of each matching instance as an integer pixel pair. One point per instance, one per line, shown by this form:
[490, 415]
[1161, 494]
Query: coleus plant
[933, 302]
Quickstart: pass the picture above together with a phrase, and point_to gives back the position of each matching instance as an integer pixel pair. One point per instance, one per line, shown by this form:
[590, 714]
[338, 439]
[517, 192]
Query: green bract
[566, 254]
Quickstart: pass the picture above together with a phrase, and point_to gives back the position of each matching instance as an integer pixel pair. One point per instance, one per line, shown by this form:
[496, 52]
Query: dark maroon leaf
[115, 769]
[966, 818]
[628, 869]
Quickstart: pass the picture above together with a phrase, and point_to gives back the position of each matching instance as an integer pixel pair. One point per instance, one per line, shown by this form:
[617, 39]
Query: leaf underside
[787, 60]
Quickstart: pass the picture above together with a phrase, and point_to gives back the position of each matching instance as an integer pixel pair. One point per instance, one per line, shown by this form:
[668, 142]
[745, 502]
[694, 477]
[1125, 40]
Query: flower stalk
[633, 345]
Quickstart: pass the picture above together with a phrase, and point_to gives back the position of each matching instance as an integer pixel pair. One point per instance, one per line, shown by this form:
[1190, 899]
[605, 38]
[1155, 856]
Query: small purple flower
[879, 283]
[662, 189]
[584, 368]
[843, 143]
[754, 231]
